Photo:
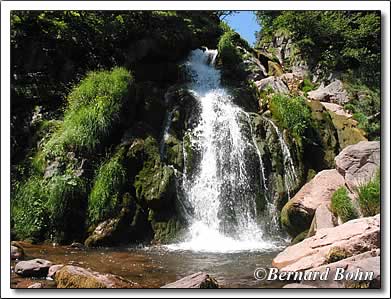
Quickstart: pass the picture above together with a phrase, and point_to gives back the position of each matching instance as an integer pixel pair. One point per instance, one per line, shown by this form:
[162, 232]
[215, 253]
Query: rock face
[354, 237]
[297, 214]
[33, 268]
[323, 218]
[337, 109]
[358, 163]
[198, 280]
[77, 277]
[332, 93]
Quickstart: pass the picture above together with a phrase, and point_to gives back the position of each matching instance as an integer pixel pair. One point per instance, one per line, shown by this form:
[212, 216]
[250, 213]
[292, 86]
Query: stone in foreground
[78, 277]
[200, 280]
[33, 268]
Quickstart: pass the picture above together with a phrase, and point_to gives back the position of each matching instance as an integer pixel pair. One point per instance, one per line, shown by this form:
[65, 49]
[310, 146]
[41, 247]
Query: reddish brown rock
[358, 163]
[323, 218]
[198, 280]
[354, 237]
[53, 269]
[297, 214]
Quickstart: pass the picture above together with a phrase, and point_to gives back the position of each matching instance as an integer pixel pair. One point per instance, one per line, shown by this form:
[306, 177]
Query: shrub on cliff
[369, 197]
[342, 206]
[93, 111]
[291, 112]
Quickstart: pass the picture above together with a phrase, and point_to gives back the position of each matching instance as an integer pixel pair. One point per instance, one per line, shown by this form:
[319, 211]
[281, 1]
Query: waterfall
[165, 135]
[290, 177]
[223, 189]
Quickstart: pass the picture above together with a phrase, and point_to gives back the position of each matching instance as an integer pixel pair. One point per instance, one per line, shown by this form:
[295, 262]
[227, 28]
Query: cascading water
[290, 177]
[223, 189]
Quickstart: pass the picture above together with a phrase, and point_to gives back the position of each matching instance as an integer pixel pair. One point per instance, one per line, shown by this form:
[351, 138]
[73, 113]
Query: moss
[104, 199]
[295, 219]
[369, 197]
[67, 279]
[310, 174]
[336, 254]
[274, 69]
[342, 206]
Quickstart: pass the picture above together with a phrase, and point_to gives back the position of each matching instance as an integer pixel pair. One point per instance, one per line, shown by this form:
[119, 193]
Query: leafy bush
[369, 197]
[104, 197]
[94, 108]
[291, 112]
[342, 206]
[227, 49]
[308, 85]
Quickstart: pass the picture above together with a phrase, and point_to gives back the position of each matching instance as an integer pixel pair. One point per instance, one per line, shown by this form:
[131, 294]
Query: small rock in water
[37, 285]
[33, 268]
[17, 251]
[77, 245]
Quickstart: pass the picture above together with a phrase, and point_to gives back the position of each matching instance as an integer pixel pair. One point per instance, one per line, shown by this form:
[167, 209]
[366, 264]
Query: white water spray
[223, 191]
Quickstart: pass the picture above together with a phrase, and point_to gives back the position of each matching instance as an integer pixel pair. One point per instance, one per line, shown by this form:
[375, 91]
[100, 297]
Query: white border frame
[6, 7]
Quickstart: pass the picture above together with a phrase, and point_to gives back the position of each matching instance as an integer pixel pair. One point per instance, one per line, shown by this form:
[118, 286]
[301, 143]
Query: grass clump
[105, 195]
[342, 206]
[291, 112]
[94, 108]
[369, 197]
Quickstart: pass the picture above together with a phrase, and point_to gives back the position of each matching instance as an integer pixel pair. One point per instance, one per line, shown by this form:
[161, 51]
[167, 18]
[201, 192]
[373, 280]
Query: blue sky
[244, 22]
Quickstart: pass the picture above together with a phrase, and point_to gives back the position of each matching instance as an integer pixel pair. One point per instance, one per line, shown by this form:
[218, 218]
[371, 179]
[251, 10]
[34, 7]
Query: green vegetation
[228, 52]
[336, 40]
[369, 197]
[93, 112]
[105, 195]
[308, 85]
[342, 205]
[291, 112]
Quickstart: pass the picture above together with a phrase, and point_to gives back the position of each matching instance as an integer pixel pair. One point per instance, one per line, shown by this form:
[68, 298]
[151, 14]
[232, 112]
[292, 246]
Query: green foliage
[227, 49]
[336, 40]
[307, 85]
[29, 211]
[93, 112]
[105, 195]
[365, 106]
[336, 254]
[291, 112]
[342, 206]
[369, 197]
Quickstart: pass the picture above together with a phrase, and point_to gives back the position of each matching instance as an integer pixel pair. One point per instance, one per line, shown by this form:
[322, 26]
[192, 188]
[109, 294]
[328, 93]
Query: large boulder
[352, 238]
[199, 280]
[323, 218]
[358, 163]
[33, 268]
[336, 108]
[333, 93]
[275, 83]
[77, 277]
[297, 214]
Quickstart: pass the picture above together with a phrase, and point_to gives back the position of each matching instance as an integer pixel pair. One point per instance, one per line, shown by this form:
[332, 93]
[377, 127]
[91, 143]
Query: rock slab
[33, 268]
[199, 280]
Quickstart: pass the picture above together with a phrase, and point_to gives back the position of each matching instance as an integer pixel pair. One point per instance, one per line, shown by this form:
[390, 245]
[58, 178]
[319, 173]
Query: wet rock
[37, 285]
[77, 277]
[199, 280]
[297, 214]
[354, 237]
[275, 83]
[33, 268]
[17, 251]
[77, 245]
[53, 269]
[332, 93]
[358, 163]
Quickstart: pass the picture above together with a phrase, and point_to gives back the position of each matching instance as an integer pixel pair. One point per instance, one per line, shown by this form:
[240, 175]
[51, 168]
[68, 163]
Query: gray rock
[333, 93]
[33, 268]
[17, 252]
[358, 163]
[275, 83]
[53, 269]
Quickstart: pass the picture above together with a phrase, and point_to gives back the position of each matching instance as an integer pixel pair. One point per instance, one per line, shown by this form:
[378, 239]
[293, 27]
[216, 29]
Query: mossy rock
[274, 69]
[295, 219]
[348, 132]
[166, 226]
[337, 254]
[174, 152]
